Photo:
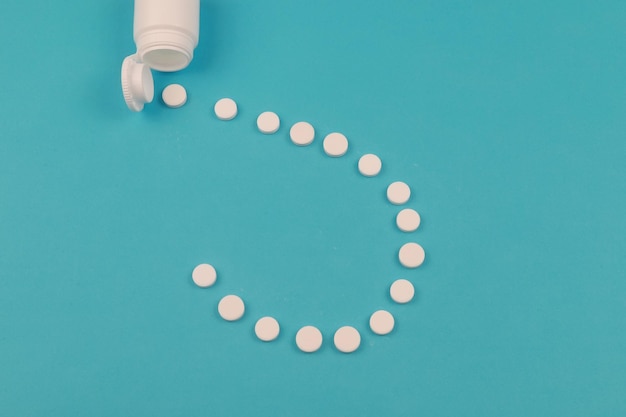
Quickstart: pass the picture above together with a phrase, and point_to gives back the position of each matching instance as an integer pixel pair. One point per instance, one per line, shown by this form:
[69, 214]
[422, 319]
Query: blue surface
[508, 121]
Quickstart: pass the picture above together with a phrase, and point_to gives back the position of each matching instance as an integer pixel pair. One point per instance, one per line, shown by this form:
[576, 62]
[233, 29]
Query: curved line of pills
[309, 339]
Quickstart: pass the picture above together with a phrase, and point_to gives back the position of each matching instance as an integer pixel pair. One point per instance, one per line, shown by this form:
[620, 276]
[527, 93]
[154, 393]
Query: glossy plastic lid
[137, 83]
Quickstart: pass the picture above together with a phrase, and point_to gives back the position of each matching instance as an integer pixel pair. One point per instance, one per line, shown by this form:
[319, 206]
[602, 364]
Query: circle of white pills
[335, 145]
[347, 339]
[267, 329]
[402, 291]
[411, 255]
[302, 133]
[204, 275]
[370, 165]
[382, 322]
[408, 220]
[398, 193]
[309, 339]
[231, 308]
[268, 122]
[174, 96]
[225, 109]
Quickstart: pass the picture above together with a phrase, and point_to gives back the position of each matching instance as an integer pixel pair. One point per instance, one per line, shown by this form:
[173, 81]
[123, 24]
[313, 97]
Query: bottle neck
[165, 49]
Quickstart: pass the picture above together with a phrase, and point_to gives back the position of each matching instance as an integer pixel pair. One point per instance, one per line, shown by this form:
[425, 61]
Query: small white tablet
[382, 322]
[302, 133]
[267, 329]
[231, 308]
[225, 109]
[309, 339]
[411, 255]
[174, 96]
[398, 193]
[335, 145]
[408, 220]
[370, 165]
[402, 291]
[347, 339]
[204, 275]
[268, 122]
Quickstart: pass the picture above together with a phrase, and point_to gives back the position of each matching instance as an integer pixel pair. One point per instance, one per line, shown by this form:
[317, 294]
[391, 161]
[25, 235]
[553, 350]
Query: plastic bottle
[166, 32]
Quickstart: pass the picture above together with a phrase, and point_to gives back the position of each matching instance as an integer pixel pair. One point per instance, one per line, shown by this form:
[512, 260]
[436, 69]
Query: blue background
[508, 120]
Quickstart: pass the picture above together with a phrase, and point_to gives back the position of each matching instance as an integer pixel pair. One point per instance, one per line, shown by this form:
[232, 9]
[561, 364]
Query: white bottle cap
[137, 83]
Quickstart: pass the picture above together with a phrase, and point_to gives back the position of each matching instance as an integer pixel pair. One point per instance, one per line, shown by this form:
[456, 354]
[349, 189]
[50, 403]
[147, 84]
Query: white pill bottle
[166, 32]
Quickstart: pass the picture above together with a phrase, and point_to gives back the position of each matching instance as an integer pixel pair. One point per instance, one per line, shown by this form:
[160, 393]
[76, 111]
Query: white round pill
[226, 109]
[370, 165]
[302, 133]
[398, 193]
[267, 329]
[411, 255]
[268, 122]
[382, 322]
[402, 291]
[335, 145]
[174, 96]
[204, 275]
[231, 308]
[309, 339]
[408, 220]
[347, 339]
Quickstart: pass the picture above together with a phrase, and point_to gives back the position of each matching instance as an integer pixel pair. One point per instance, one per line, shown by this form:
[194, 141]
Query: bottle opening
[167, 60]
